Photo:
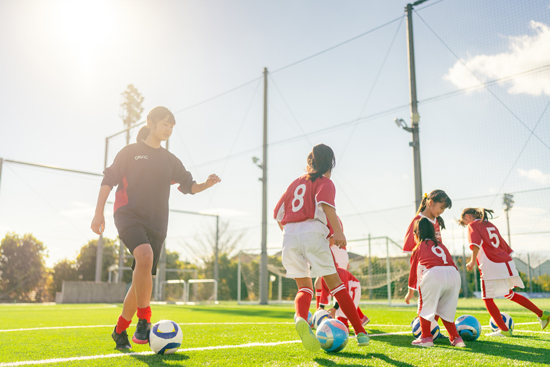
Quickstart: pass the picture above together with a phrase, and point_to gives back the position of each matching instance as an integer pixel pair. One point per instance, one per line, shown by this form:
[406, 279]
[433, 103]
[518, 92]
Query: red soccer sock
[348, 307]
[360, 313]
[302, 302]
[495, 313]
[144, 313]
[317, 298]
[519, 299]
[451, 329]
[426, 327]
[122, 324]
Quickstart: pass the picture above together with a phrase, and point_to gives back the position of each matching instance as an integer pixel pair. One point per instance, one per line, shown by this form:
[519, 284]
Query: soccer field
[228, 334]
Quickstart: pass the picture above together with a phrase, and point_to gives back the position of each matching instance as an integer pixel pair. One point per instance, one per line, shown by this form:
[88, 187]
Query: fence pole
[99, 259]
[388, 276]
[529, 272]
[464, 278]
[239, 280]
[280, 291]
[370, 271]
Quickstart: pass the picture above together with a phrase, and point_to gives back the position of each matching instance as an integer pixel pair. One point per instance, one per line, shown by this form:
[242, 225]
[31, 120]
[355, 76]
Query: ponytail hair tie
[425, 195]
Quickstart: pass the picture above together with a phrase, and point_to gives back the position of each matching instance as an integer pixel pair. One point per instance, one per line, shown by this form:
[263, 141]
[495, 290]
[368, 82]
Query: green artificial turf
[228, 328]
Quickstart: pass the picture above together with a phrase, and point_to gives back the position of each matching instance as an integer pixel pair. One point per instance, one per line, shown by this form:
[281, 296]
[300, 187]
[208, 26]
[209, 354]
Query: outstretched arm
[98, 223]
[211, 181]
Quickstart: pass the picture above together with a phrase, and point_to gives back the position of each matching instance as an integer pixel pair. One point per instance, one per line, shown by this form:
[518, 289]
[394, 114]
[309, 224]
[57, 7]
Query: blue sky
[65, 64]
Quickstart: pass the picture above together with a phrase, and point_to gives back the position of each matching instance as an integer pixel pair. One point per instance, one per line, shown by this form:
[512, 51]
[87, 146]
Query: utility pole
[508, 201]
[263, 267]
[415, 117]
[216, 251]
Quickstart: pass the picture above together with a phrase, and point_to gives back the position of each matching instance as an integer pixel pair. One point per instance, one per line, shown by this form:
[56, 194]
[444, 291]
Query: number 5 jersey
[493, 258]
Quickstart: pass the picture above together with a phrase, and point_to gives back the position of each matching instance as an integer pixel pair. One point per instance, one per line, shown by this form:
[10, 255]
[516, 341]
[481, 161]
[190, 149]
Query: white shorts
[354, 289]
[438, 293]
[305, 246]
[499, 287]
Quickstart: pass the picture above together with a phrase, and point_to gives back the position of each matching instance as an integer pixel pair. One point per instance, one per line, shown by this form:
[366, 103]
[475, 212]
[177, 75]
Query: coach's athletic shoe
[423, 342]
[121, 340]
[309, 340]
[501, 334]
[458, 342]
[365, 320]
[544, 319]
[363, 339]
[141, 336]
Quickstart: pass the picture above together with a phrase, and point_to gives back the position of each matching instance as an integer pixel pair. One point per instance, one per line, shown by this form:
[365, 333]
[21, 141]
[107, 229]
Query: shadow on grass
[247, 312]
[364, 360]
[512, 352]
[160, 360]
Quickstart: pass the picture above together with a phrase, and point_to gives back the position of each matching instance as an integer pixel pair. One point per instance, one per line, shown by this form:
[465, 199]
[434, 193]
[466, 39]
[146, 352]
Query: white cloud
[525, 53]
[535, 175]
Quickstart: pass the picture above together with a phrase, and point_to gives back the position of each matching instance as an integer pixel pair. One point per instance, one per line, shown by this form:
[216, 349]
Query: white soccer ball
[320, 316]
[417, 331]
[165, 337]
[507, 320]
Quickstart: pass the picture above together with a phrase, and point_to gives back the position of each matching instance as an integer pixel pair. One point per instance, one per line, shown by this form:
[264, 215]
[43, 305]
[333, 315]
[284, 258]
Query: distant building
[542, 269]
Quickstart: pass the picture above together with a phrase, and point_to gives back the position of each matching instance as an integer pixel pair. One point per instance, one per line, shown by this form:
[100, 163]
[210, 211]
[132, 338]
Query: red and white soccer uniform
[435, 276]
[410, 243]
[306, 230]
[497, 268]
[352, 285]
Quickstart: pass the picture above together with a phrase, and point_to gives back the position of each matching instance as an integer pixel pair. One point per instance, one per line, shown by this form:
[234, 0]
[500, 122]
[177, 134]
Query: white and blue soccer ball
[468, 327]
[417, 331]
[507, 320]
[319, 316]
[309, 318]
[165, 337]
[333, 335]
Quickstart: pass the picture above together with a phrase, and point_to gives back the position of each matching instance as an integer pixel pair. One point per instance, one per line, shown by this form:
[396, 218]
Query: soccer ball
[417, 331]
[468, 327]
[333, 335]
[507, 320]
[320, 316]
[165, 337]
[309, 318]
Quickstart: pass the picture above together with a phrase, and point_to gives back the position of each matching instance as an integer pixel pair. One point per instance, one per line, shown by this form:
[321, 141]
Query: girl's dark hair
[437, 196]
[153, 117]
[320, 161]
[478, 213]
[424, 230]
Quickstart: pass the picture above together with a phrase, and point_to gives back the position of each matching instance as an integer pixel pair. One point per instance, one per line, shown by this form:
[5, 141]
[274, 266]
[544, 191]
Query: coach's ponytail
[437, 196]
[143, 133]
[320, 161]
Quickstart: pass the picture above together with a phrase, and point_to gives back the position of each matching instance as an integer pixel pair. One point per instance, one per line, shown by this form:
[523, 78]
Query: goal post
[174, 292]
[203, 290]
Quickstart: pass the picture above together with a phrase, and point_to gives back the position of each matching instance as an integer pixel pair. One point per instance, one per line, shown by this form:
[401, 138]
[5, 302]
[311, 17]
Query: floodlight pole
[263, 261]
[415, 117]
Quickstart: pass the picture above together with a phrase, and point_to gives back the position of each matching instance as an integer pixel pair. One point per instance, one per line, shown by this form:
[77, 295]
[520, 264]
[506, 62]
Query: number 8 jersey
[302, 200]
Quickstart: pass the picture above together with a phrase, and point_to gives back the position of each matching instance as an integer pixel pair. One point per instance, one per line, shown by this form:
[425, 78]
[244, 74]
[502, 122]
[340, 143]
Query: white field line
[249, 345]
[198, 324]
[115, 355]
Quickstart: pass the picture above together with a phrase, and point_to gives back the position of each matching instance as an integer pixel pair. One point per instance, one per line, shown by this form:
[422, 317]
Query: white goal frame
[201, 281]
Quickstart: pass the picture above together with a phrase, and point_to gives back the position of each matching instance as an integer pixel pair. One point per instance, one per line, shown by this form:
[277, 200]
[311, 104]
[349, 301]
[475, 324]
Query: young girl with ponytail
[498, 271]
[143, 172]
[303, 213]
[431, 207]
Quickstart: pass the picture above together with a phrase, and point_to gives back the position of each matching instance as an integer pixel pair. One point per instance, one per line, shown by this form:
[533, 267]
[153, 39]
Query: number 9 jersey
[302, 200]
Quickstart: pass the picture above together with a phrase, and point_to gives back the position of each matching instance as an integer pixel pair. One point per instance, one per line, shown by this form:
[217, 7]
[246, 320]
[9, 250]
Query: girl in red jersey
[143, 173]
[431, 207]
[498, 271]
[435, 276]
[303, 213]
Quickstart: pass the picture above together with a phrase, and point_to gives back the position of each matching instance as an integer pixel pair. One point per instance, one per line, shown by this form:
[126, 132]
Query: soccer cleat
[363, 339]
[423, 342]
[141, 335]
[501, 333]
[544, 319]
[121, 340]
[365, 320]
[309, 340]
[458, 342]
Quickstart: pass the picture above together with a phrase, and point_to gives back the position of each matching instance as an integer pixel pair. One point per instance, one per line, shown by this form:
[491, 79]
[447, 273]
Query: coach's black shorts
[137, 235]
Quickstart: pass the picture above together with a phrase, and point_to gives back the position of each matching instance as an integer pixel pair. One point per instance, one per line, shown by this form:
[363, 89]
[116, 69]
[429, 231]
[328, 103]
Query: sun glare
[86, 24]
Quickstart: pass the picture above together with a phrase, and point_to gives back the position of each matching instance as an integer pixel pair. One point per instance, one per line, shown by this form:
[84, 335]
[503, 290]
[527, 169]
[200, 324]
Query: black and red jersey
[144, 175]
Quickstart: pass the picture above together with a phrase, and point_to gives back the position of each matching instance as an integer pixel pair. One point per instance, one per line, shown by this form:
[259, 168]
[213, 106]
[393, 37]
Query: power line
[488, 89]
